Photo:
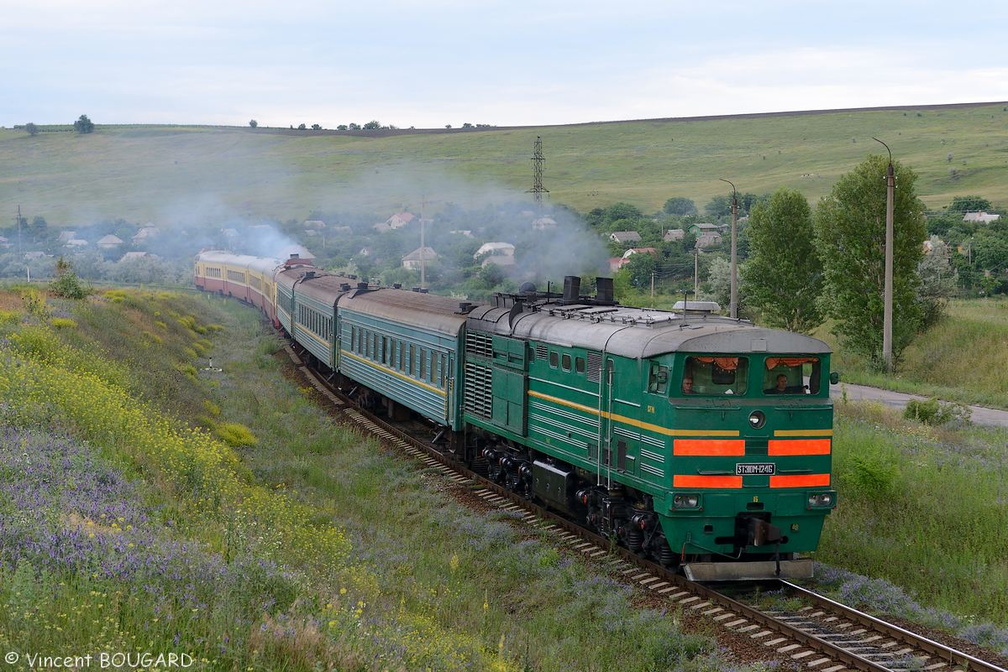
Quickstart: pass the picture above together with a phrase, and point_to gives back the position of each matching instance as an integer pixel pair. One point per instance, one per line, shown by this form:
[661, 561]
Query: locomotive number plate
[754, 468]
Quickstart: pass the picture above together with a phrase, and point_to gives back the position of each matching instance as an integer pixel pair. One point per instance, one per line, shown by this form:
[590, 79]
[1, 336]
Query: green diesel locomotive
[700, 441]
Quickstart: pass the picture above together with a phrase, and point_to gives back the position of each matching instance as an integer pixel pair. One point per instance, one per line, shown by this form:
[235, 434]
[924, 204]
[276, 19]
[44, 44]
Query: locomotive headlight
[822, 500]
[685, 501]
[757, 419]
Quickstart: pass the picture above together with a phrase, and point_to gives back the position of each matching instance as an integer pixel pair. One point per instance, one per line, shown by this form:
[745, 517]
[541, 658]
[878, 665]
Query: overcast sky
[506, 63]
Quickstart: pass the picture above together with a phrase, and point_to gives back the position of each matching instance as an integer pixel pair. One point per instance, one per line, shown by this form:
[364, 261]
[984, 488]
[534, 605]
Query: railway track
[821, 636]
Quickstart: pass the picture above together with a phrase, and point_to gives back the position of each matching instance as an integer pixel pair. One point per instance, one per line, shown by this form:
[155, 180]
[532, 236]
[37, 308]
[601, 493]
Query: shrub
[35, 303]
[872, 475]
[68, 286]
[235, 434]
[63, 323]
[934, 412]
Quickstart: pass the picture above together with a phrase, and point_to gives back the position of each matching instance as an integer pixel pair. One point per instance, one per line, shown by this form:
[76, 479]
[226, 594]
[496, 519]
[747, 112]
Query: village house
[981, 217]
[501, 254]
[418, 257]
[145, 235]
[625, 237]
[708, 239]
[396, 221]
[109, 242]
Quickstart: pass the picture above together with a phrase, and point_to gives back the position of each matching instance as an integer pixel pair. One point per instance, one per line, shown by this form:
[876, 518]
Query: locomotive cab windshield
[711, 375]
[792, 375]
[715, 375]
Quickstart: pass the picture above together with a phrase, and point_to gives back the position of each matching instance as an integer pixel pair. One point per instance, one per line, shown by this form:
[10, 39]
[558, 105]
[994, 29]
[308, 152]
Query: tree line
[801, 265]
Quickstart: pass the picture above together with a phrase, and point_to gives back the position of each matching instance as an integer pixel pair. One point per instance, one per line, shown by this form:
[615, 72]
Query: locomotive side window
[658, 378]
[579, 364]
[792, 375]
[715, 375]
[554, 359]
[565, 362]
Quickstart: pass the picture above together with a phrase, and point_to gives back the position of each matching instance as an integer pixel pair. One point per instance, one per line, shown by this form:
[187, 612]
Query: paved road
[980, 416]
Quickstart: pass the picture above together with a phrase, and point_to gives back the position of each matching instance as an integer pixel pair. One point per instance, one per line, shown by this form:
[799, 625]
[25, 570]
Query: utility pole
[887, 299]
[20, 253]
[696, 270]
[733, 301]
[423, 249]
[537, 171]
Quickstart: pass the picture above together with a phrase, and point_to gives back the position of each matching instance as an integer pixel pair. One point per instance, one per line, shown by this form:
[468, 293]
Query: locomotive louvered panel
[478, 390]
[541, 351]
[478, 343]
[594, 372]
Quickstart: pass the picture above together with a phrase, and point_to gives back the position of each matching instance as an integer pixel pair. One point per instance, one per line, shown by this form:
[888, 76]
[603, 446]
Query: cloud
[437, 62]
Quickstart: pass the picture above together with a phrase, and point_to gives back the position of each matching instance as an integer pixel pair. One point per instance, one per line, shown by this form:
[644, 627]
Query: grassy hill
[171, 174]
[154, 500]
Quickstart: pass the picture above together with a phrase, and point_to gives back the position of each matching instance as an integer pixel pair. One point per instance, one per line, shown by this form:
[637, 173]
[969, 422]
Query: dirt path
[981, 416]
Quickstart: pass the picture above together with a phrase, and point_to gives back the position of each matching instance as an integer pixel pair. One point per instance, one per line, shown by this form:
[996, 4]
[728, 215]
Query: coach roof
[416, 309]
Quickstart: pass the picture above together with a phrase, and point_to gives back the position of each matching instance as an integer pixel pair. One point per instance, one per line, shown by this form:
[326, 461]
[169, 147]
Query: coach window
[423, 363]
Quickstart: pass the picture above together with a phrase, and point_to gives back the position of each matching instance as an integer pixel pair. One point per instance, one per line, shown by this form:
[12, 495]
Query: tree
[937, 282]
[850, 227]
[32, 129]
[719, 280]
[83, 125]
[990, 249]
[641, 267]
[720, 206]
[679, 205]
[783, 277]
[253, 123]
[66, 283]
[38, 229]
[964, 204]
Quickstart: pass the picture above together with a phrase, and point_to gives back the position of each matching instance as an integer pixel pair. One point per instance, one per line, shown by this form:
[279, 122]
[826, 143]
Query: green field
[168, 174]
